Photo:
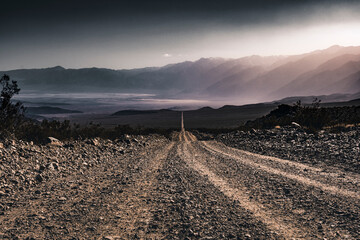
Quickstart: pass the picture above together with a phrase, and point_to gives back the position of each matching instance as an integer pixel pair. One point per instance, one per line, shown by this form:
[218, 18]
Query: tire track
[189, 207]
[281, 226]
[336, 176]
[304, 180]
[136, 205]
[287, 206]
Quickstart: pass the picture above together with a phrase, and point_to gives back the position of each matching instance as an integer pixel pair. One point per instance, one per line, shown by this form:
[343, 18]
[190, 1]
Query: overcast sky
[133, 34]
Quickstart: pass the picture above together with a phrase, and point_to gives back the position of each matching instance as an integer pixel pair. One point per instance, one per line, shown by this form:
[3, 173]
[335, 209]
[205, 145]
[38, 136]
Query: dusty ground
[154, 188]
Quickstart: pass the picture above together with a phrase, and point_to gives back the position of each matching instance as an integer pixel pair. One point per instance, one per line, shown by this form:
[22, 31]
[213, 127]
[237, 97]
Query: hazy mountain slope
[350, 84]
[234, 84]
[196, 75]
[321, 78]
[321, 83]
[333, 70]
[233, 74]
[288, 72]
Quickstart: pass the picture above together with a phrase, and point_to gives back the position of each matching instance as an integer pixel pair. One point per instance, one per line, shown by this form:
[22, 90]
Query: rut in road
[331, 206]
[252, 159]
[275, 223]
[203, 189]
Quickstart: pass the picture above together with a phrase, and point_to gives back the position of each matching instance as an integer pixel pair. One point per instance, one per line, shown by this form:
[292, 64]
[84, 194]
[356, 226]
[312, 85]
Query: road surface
[206, 190]
[190, 189]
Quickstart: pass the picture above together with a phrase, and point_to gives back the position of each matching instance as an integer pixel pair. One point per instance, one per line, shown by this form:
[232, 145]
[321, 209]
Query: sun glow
[280, 40]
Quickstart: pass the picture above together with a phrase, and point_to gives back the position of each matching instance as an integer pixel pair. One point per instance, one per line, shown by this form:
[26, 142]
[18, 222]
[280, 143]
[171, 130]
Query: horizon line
[191, 61]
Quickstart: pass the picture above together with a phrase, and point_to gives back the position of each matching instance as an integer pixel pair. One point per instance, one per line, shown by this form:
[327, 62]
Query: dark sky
[127, 34]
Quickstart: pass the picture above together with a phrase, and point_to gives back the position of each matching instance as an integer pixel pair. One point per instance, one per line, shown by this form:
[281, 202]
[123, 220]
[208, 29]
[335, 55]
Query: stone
[95, 142]
[296, 124]
[39, 178]
[54, 142]
[112, 238]
[62, 199]
[53, 166]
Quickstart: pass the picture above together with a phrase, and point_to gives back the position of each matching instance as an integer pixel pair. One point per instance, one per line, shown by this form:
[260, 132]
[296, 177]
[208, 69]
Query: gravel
[341, 150]
[41, 185]
[148, 187]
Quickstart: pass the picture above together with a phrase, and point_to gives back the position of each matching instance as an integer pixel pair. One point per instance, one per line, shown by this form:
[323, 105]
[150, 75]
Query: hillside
[228, 116]
[207, 117]
[49, 110]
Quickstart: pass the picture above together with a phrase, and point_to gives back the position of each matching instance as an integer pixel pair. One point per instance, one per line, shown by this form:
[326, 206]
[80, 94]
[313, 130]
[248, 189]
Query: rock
[112, 238]
[296, 124]
[53, 166]
[94, 142]
[1, 145]
[54, 142]
[39, 178]
[62, 199]
[41, 168]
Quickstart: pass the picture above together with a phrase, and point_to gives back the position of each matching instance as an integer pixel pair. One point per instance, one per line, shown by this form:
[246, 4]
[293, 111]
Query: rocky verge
[49, 191]
[340, 150]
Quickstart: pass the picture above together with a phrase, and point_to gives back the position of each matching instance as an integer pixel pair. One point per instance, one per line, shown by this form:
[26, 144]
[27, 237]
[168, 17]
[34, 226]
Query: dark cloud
[69, 16]
[66, 10]
[62, 29]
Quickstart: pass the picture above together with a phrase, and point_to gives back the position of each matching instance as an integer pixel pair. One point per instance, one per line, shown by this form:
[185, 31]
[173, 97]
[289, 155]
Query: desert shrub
[11, 114]
[38, 132]
[312, 117]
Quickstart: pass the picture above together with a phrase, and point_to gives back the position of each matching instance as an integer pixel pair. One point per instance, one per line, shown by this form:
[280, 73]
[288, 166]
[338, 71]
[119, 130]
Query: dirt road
[190, 189]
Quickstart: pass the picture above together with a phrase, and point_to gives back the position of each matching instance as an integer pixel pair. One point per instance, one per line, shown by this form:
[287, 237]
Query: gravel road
[155, 188]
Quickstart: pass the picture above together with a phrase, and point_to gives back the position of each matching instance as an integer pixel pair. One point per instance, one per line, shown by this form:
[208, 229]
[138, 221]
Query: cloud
[167, 55]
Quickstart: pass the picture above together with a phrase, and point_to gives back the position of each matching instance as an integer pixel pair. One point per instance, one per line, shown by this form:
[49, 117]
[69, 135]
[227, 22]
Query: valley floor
[154, 188]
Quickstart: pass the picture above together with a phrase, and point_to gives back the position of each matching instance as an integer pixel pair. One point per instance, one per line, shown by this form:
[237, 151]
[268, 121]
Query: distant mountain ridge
[322, 72]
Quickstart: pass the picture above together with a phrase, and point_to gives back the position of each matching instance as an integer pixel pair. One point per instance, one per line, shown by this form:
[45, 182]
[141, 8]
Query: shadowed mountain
[224, 117]
[253, 78]
[228, 116]
[49, 110]
[324, 99]
[140, 112]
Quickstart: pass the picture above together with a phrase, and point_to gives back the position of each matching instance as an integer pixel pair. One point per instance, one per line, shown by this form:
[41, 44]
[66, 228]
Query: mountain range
[335, 70]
